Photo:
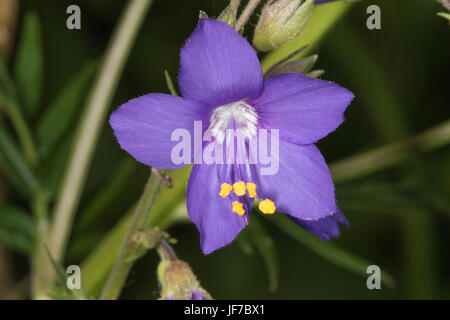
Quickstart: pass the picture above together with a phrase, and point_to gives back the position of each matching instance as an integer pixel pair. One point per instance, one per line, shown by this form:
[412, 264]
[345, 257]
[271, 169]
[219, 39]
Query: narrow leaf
[53, 168]
[59, 290]
[12, 159]
[61, 112]
[16, 229]
[169, 83]
[28, 67]
[6, 84]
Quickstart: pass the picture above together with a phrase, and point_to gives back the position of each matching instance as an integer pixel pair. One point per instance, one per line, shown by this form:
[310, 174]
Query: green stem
[246, 13]
[235, 3]
[165, 251]
[122, 266]
[40, 211]
[390, 155]
[88, 133]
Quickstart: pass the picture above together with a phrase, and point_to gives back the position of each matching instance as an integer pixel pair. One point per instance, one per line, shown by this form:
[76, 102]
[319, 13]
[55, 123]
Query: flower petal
[303, 109]
[144, 126]
[218, 66]
[325, 228]
[212, 214]
[302, 187]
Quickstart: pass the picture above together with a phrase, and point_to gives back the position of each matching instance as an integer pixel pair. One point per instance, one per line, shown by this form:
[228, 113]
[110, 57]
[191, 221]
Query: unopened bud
[178, 282]
[281, 21]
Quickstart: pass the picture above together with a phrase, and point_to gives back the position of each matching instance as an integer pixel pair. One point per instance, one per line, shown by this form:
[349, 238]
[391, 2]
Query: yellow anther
[239, 188]
[225, 189]
[267, 206]
[251, 187]
[238, 207]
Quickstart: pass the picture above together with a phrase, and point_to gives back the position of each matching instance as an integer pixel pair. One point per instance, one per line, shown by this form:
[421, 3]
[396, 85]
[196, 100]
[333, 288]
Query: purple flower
[325, 228]
[222, 86]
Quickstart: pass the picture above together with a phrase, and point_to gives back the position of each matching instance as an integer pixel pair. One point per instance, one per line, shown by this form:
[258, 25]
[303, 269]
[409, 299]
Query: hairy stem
[40, 211]
[248, 10]
[165, 251]
[235, 3]
[87, 136]
[123, 264]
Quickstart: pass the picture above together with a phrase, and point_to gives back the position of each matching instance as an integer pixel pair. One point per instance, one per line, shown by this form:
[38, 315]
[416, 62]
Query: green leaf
[114, 186]
[8, 101]
[15, 166]
[170, 84]
[53, 168]
[265, 246]
[16, 229]
[328, 250]
[6, 85]
[60, 113]
[98, 264]
[28, 67]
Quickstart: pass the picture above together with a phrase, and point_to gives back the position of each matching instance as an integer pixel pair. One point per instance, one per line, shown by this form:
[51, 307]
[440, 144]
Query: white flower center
[238, 116]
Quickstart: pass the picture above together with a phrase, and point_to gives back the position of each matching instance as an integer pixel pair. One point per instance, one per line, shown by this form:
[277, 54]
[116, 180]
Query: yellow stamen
[238, 207]
[225, 189]
[251, 187]
[267, 206]
[239, 188]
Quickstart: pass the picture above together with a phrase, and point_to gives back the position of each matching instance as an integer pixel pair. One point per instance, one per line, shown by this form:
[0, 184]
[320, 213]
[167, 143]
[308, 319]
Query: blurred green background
[399, 218]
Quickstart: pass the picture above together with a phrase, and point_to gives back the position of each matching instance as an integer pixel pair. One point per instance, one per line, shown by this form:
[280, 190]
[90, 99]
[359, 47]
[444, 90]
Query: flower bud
[281, 21]
[178, 282]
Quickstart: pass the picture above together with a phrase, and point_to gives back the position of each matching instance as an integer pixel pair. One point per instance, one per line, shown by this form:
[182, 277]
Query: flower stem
[246, 13]
[165, 251]
[235, 3]
[390, 155]
[88, 133]
[40, 211]
[164, 178]
[122, 266]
